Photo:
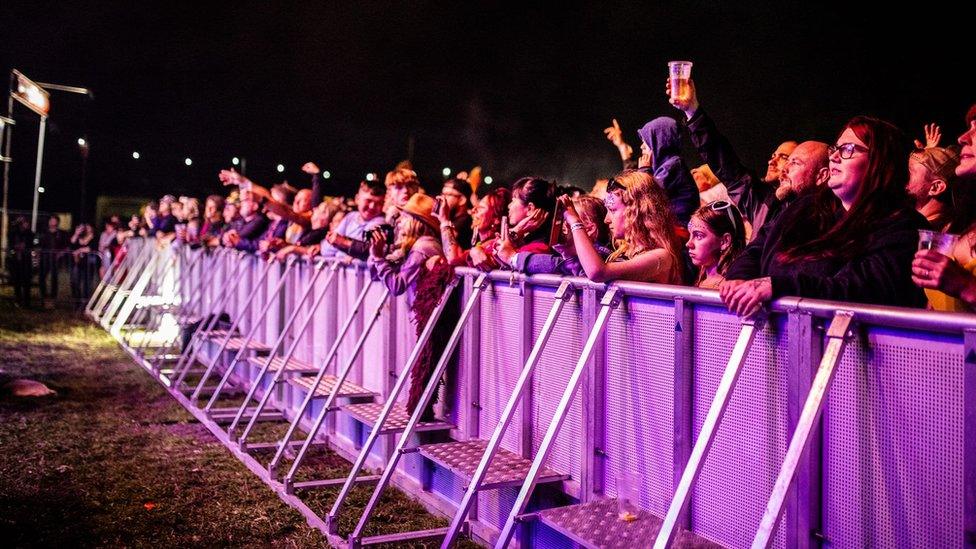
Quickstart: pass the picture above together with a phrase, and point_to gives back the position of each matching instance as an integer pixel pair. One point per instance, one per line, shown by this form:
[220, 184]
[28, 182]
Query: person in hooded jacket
[661, 157]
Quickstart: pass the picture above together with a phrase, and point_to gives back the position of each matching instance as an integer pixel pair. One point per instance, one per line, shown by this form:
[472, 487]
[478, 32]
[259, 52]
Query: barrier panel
[891, 463]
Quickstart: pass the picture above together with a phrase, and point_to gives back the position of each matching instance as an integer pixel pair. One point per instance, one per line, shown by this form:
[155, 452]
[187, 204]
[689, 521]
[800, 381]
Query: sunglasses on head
[726, 206]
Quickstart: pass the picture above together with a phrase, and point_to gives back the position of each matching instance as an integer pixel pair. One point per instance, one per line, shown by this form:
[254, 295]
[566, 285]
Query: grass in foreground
[112, 460]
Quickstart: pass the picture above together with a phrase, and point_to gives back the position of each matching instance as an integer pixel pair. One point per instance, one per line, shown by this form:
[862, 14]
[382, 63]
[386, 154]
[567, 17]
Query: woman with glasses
[955, 275]
[716, 236]
[642, 223]
[850, 240]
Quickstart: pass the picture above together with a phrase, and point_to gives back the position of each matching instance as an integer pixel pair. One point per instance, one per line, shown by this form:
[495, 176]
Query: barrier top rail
[896, 317]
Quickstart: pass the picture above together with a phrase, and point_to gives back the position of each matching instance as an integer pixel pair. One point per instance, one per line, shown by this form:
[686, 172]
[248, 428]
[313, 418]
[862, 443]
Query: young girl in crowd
[643, 224]
[716, 237]
[955, 275]
[848, 240]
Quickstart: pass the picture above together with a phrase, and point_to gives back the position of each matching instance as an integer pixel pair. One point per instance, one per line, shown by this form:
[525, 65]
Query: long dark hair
[963, 195]
[824, 229]
[542, 194]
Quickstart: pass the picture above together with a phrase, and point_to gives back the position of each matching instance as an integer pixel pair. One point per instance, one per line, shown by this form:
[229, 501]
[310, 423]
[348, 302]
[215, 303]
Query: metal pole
[9, 130]
[37, 171]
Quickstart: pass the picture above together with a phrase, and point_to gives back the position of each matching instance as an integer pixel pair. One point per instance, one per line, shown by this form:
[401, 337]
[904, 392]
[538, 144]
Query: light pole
[34, 96]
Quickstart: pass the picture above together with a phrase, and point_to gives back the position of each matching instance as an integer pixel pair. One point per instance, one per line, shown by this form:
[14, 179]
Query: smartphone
[438, 203]
[555, 233]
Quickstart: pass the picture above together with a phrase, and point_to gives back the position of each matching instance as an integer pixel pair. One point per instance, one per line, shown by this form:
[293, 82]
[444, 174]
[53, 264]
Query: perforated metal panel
[501, 338]
[738, 476]
[640, 399]
[375, 350]
[893, 443]
[551, 377]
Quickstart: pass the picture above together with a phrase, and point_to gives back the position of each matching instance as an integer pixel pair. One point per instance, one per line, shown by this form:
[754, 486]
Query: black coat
[755, 198]
[880, 275]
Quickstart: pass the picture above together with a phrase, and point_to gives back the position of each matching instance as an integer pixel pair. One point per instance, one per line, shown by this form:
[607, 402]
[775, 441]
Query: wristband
[576, 226]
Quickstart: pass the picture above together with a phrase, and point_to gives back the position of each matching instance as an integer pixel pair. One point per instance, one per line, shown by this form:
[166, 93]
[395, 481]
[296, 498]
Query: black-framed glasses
[846, 150]
[726, 206]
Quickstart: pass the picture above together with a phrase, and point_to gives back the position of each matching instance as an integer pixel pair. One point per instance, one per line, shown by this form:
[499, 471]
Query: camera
[386, 230]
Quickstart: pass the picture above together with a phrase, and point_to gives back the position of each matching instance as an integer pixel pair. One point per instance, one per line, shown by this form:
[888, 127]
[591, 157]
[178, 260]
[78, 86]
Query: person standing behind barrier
[754, 197]
[213, 221]
[530, 217]
[107, 244]
[564, 261]
[454, 195]
[415, 266]
[661, 157]
[349, 240]
[401, 184]
[245, 232]
[53, 244]
[642, 223]
[955, 276]
[849, 240]
[84, 261]
[21, 268]
[486, 222]
[717, 236]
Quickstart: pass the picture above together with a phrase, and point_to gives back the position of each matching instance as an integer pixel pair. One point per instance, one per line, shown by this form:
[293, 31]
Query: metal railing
[828, 423]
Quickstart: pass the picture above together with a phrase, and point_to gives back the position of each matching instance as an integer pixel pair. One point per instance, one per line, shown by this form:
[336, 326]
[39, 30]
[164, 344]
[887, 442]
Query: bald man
[755, 197]
[806, 167]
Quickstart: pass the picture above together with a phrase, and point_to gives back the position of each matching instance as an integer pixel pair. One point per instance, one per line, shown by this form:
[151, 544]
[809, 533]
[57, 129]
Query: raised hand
[687, 104]
[310, 168]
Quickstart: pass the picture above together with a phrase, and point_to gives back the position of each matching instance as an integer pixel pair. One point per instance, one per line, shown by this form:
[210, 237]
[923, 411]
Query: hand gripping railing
[610, 301]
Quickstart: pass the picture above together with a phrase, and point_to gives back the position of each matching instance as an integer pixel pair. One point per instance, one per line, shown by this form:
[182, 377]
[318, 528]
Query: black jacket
[755, 198]
[880, 275]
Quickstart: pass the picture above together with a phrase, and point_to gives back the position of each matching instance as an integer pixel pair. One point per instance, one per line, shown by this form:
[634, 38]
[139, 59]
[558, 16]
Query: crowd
[834, 221]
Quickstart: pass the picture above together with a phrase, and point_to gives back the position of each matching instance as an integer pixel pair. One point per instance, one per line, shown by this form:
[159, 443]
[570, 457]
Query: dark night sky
[519, 90]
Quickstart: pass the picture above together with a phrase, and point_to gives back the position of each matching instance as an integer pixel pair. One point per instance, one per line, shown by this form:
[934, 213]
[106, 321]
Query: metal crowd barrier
[823, 423]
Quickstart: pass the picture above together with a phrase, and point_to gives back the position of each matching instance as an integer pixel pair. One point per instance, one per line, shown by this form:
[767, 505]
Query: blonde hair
[409, 230]
[403, 176]
[650, 223]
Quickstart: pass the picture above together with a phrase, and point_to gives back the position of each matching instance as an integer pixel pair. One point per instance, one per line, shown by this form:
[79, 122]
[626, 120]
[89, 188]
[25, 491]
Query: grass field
[113, 460]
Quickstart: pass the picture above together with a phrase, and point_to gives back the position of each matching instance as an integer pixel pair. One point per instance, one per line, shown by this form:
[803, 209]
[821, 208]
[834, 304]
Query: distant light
[326, 174]
[82, 142]
[40, 189]
[135, 154]
[446, 172]
[281, 168]
[370, 177]
[488, 179]
[235, 161]
[188, 162]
